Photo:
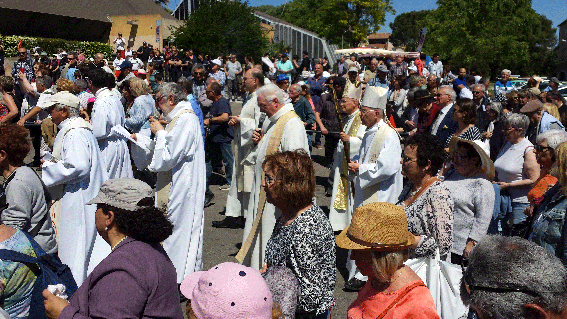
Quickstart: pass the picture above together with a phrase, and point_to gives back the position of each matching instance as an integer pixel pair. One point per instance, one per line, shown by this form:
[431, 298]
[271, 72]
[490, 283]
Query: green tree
[222, 27]
[274, 11]
[405, 29]
[491, 35]
[335, 20]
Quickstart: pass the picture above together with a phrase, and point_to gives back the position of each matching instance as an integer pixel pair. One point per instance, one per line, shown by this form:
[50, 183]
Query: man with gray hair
[177, 154]
[444, 124]
[76, 172]
[480, 101]
[503, 86]
[512, 278]
[283, 131]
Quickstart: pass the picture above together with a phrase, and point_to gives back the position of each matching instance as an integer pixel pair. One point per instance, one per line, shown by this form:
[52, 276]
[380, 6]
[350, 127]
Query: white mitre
[375, 97]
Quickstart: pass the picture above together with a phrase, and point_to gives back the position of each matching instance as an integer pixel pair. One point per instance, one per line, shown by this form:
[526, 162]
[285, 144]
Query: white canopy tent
[369, 52]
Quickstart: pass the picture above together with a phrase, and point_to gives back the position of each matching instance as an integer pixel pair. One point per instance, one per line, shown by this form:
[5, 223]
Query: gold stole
[273, 145]
[163, 184]
[340, 202]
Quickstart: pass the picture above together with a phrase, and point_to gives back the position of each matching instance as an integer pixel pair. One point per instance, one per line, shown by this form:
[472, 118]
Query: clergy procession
[437, 196]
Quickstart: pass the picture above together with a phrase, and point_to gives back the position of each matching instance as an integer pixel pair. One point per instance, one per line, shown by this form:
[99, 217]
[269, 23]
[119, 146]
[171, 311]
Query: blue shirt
[71, 74]
[286, 67]
[198, 112]
[143, 107]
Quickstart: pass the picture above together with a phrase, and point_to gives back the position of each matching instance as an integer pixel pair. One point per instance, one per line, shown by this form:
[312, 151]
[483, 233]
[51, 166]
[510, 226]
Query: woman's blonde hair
[552, 110]
[560, 168]
[65, 85]
[139, 87]
[385, 263]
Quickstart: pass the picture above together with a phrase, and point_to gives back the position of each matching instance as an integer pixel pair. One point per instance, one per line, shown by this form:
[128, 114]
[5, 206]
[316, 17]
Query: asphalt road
[221, 245]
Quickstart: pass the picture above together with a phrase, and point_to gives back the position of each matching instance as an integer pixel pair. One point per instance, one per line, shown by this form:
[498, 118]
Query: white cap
[64, 98]
[466, 94]
[326, 74]
[217, 62]
[352, 91]
[375, 97]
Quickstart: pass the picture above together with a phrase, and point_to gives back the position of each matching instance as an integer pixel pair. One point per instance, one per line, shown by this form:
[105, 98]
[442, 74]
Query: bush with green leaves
[50, 46]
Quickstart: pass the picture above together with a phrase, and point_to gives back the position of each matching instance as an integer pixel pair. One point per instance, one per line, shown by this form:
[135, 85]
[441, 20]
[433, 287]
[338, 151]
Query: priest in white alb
[377, 167]
[177, 154]
[76, 172]
[244, 154]
[107, 113]
[351, 135]
[283, 131]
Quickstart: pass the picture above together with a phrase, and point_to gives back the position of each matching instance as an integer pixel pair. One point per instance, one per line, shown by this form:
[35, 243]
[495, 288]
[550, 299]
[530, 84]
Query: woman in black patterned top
[464, 113]
[302, 239]
[425, 199]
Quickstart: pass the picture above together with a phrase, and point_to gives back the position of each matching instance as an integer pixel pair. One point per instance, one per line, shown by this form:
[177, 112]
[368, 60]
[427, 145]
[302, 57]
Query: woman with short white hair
[517, 170]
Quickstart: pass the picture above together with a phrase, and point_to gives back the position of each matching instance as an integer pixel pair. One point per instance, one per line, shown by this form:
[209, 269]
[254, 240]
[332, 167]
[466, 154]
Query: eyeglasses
[439, 94]
[503, 287]
[198, 73]
[477, 92]
[407, 159]
[158, 99]
[22, 53]
[540, 148]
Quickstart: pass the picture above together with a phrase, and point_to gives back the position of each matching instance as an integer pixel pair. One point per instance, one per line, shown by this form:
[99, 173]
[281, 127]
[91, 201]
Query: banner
[422, 33]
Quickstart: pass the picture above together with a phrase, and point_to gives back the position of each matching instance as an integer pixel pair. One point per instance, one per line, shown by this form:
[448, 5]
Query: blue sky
[555, 10]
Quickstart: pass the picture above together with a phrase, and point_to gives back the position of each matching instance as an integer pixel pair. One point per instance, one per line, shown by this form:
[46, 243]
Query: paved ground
[221, 245]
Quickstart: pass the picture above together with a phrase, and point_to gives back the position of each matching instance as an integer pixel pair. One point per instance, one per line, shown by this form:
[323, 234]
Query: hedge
[50, 46]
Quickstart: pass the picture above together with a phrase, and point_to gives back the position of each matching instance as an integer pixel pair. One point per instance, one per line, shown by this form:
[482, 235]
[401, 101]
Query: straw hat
[377, 226]
[487, 164]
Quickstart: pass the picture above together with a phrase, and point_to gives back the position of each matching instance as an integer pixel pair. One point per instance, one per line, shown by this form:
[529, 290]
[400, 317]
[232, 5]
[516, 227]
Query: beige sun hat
[377, 226]
[487, 164]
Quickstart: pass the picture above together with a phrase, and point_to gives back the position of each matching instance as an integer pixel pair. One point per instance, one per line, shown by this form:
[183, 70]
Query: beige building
[88, 20]
[137, 29]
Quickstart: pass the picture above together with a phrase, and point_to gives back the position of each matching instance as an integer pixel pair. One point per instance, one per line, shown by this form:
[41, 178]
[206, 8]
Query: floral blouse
[431, 217]
[307, 247]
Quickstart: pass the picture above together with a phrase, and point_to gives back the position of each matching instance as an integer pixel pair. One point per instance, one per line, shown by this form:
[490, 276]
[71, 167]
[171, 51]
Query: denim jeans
[221, 152]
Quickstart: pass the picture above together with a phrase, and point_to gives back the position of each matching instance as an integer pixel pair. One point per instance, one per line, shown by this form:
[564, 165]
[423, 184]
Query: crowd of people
[422, 164]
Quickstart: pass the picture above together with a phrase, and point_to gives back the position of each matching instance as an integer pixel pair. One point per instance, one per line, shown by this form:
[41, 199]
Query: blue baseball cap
[126, 65]
[282, 77]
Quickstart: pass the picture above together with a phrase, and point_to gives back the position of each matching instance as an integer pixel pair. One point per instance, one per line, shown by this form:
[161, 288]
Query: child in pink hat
[228, 291]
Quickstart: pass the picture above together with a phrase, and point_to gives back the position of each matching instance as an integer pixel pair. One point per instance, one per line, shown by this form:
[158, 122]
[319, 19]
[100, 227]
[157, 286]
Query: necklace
[121, 240]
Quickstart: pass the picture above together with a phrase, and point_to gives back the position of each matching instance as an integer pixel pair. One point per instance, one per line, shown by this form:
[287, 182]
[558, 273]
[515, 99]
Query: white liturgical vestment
[340, 218]
[294, 137]
[107, 113]
[181, 150]
[245, 152]
[81, 169]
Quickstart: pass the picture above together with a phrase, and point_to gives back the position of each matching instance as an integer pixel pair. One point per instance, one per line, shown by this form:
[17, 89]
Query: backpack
[49, 270]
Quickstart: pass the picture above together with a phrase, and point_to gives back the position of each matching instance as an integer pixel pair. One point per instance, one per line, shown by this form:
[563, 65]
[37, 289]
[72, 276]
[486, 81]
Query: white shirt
[435, 68]
[136, 63]
[120, 44]
[117, 62]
